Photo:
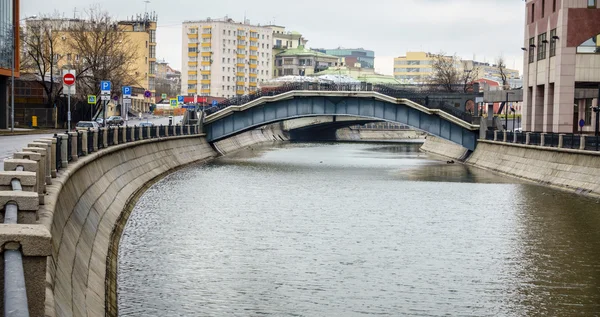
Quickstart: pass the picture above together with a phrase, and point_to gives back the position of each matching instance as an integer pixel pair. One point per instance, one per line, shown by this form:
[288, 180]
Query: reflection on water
[355, 230]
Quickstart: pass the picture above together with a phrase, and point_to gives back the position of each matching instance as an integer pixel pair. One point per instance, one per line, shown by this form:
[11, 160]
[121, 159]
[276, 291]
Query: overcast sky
[483, 29]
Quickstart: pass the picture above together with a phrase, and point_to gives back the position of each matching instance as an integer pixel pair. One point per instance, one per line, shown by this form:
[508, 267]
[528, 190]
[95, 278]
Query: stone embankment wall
[267, 134]
[574, 170]
[85, 203]
[349, 134]
[444, 148]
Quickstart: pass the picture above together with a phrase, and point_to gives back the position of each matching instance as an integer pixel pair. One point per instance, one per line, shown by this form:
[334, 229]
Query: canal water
[356, 230]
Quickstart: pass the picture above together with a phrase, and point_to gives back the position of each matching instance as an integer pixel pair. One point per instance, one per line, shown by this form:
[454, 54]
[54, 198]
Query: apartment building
[301, 61]
[9, 23]
[353, 57]
[139, 31]
[561, 65]
[224, 58]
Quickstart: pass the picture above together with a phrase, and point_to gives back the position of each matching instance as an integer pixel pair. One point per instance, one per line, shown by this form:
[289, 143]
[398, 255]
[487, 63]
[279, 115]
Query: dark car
[115, 120]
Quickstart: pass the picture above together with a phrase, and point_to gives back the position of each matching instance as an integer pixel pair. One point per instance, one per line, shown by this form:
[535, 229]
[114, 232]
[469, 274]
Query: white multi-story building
[223, 58]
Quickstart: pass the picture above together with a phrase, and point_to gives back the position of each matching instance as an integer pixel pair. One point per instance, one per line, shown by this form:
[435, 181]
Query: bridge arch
[369, 105]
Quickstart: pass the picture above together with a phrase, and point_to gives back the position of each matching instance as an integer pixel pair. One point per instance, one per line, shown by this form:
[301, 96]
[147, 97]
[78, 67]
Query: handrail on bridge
[421, 94]
[15, 293]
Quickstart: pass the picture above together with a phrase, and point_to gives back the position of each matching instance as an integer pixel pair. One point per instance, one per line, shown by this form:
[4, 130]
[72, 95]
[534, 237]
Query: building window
[553, 5]
[543, 7]
[541, 46]
[532, 12]
[552, 42]
[591, 3]
[531, 50]
[588, 111]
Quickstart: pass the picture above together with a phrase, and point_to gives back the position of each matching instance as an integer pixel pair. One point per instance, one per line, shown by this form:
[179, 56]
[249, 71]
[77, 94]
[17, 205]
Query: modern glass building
[352, 56]
[9, 12]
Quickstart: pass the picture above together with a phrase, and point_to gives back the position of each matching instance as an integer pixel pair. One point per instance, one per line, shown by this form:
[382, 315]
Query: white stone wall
[444, 148]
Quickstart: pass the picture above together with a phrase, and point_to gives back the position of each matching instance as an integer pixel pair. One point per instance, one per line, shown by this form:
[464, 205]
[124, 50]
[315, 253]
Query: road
[14, 143]
[157, 120]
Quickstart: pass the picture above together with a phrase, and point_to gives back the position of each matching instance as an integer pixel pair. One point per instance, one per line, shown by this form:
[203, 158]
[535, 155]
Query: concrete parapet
[582, 143]
[64, 150]
[95, 144]
[115, 135]
[28, 180]
[561, 141]
[542, 139]
[42, 164]
[140, 133]
[34, 243]
[105, 137]
[84, 142]
[53, 170]
[167, 130]
[514, 140]
[495, 135]
[47, 158]
[504, 136]
[157, 131]
[528, 138]
[124, 132]
[189, 131]
[27, 203]
[74, 154]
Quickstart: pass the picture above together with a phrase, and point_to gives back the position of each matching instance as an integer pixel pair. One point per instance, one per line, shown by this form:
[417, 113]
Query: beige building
[417, 67]
[561, 65]
[301, 61]
[284, 40]
[224, 58]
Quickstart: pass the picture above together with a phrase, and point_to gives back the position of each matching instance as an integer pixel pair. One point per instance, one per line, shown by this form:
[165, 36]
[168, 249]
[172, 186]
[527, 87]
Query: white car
[84, 125]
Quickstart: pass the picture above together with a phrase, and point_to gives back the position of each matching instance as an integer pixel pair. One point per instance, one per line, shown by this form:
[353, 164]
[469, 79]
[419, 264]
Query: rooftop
[302, 51]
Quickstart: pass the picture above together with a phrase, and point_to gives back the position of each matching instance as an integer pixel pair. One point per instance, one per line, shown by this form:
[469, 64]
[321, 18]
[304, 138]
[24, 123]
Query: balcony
[253, 39]
[240, 83]
[192, 64]
[206, 54]
[206, 36]
[240, 65]
[204, 44]
[192, 54]
[252, 84]
[205, 91]
[192, 82]
[192, 35]
[239, 92]
[192, 72]
[254, 48]
[253, 66]
[205, 72]
[205, 81]
[253, 75]
[241, 74]
[191, 91]
[254, 57]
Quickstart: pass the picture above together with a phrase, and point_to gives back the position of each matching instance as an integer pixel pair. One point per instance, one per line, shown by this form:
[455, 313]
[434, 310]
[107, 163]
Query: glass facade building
[366, 58]
[6, 33]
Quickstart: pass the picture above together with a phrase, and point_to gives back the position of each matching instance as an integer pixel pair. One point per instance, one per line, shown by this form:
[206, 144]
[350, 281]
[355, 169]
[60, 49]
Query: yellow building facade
[415, 67]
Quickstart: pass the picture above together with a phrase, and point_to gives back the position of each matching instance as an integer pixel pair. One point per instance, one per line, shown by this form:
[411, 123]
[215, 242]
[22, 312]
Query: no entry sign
[69, 79]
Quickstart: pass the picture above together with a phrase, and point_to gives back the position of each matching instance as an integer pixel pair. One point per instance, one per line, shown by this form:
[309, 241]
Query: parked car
[84, 125]
[146, 124]
[100, 122]
[115, 120]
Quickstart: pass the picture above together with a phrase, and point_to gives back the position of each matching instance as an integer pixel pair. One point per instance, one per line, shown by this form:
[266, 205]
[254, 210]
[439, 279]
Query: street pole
[597, 111]
[69, 109]
[104, 114]
[506, 112]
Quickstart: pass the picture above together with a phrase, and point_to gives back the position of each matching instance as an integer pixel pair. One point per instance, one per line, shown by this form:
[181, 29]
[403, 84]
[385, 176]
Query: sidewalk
[22, 131]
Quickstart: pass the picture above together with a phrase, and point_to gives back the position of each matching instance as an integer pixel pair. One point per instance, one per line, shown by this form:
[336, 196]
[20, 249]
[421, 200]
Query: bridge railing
[555, 140]
[23, 189]
[431, 96]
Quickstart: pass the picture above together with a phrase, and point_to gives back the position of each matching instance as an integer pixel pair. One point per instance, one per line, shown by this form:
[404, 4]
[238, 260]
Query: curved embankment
[85, 204]
[444, 148]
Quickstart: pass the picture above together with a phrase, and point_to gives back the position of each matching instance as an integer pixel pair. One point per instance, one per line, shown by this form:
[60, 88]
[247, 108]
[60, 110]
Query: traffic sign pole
[69, 81]
[69, 110]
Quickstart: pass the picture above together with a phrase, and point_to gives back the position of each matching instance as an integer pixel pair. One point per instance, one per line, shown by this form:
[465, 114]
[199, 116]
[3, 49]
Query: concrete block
[543, 139]
[52, 141]
[25, 200]
[74, 155]
[504, 136]
[64, 148]
[124, 133]
[528, 138]
[561, 141]
[496, 135]
[34, 239]
[84, 142]
[28, 180]
[95, 144]
[582, 143]
[47, 159]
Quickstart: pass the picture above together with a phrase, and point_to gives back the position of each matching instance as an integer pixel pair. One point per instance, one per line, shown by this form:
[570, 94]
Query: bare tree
[468, 77]
[101, 51]
[446, 72]
[501, 65]
[40, 54]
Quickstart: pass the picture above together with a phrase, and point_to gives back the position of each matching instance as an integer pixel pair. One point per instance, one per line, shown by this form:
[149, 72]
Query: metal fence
[569, 140]
[45, 117]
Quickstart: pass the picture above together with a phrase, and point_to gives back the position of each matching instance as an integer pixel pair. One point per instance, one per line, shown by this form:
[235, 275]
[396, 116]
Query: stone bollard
[527, 138]
[514, 138]
[188, 130]
[148, 130]
[582, 143]
[124, 132]
[542, 139]
[48, 147]
[105, 137]
[115, 135]
[64, 148]
[34, 242]
[95, 144]
[495, 135]
[84, 142]
[504, 136]
[42, 167]
[53, 170]
[157, 131]
[174, 130]
[561, 141]
[166, 130]
[30, 163]
[27, 199]
[73, 146]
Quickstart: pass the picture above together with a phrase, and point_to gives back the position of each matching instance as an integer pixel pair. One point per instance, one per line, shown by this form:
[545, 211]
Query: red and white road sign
[69, 79]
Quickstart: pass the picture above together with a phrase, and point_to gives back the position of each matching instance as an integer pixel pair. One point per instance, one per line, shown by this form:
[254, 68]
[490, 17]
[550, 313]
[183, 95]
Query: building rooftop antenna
[146, 5]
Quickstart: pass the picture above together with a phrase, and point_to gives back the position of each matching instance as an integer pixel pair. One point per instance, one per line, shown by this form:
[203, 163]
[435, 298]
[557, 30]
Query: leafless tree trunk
[102, 52]
[501, 65]
[40, 56]
[445, 71]
[468, 77]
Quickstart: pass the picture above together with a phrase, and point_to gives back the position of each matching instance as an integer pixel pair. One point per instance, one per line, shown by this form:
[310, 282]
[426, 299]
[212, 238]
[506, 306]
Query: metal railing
[15, 292]
[555, 140]
[58, 146]
[431, 96]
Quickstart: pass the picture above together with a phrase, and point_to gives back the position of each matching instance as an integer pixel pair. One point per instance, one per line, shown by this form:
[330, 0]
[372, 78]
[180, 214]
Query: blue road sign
[581, 123]
[188, 107]
[173, 102]
[105, 85]
[180, 99]
[214, 103]
[126, 91]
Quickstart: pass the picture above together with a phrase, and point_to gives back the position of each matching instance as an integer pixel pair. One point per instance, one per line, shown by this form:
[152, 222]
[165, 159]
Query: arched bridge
[370, 105]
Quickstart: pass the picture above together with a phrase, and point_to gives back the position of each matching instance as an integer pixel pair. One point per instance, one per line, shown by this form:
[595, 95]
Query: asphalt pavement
[15, 143]
[155, 120]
